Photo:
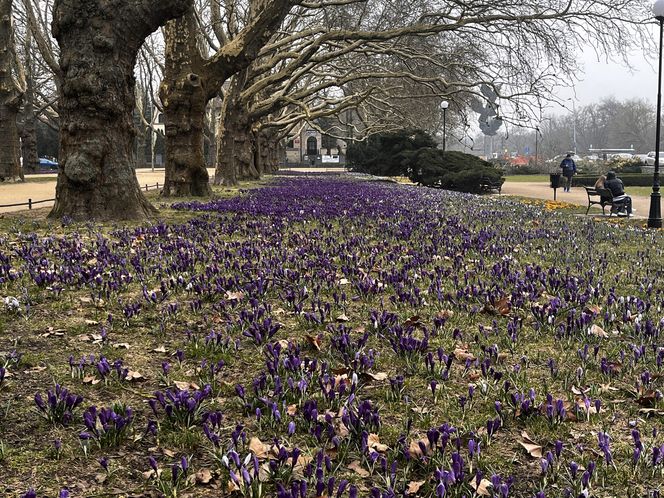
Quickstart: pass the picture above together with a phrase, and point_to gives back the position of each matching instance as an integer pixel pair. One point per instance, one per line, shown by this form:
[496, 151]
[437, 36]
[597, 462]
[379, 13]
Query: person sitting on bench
[620, 200]
[600, 184]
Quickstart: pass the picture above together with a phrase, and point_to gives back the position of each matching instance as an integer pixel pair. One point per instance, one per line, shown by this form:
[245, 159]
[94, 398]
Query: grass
[253, 249]
[527, 178]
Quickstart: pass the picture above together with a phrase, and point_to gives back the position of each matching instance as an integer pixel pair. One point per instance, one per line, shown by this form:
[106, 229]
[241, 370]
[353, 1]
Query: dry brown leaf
[168, 453]
[34, 370]
[483, 488]
[445, 314]
[503, 306]
[413, 321]
[91, 323]
[375, 444]
[344, 281]
[415, 450]
[257, 447]
[463, 354]
[534, 450]
[234, 296]
[343, 318]
[356, 467]
[91, 379]
[376, 376]
[184, 386]
[203, 476]
[598, 331]
[291, 410]
[160, 349]
[593, 309]
[315, 340]
[133, 375]
[120, 345]
[414, 487]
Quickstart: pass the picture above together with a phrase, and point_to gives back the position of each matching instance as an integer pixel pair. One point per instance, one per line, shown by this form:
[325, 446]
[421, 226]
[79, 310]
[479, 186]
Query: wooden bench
[603, 197]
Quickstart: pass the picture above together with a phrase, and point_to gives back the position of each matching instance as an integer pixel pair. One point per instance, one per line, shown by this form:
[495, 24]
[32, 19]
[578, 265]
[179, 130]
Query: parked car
[47, 164]
[650, 160]
[620, 156]
[642, 158]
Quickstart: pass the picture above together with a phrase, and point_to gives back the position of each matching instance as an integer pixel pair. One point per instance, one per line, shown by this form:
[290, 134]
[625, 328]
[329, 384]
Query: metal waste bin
[555, 180]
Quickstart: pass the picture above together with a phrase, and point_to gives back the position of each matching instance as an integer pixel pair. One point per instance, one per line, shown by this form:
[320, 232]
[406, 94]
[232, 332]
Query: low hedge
[629, 180]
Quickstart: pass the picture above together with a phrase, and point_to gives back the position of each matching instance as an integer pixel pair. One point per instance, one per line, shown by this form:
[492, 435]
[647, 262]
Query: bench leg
[587, 210]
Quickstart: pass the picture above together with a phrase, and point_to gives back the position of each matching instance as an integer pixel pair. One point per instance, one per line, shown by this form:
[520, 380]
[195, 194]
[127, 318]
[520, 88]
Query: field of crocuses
[333, 337]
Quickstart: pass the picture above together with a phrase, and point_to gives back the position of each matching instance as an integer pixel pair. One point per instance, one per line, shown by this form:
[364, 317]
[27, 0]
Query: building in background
[307, 143]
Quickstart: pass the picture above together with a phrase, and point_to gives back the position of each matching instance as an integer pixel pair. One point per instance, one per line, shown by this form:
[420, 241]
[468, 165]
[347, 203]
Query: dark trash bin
[555, 180]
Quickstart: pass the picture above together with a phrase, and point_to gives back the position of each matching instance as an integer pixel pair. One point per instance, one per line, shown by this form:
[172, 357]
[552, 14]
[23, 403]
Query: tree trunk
[267, 151]
[27, 118]
[11, 94]
[235, 149]
[99, 41]
[190, 81]
[184, 97]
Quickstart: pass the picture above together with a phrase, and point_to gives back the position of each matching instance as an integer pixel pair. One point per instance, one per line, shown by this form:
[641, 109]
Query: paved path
[541, 190]
[21, 192]
[14, 193]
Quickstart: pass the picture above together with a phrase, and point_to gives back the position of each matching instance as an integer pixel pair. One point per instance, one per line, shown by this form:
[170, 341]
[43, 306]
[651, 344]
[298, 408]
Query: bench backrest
[605, 193]
[591, 191]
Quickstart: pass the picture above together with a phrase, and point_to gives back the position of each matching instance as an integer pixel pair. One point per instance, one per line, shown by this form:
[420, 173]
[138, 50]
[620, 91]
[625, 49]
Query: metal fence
[31, 203]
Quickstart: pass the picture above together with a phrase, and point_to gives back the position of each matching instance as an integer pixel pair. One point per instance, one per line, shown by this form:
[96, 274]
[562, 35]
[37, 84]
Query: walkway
[540, 190]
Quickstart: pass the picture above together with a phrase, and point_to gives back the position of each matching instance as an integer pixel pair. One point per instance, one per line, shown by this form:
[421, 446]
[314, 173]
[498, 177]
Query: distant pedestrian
[622, 203]
[569, 170]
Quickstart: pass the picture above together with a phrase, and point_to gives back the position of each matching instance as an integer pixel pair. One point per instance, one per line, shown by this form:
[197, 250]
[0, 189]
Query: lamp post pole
[536, 143]
[655, 215]
[444, 104]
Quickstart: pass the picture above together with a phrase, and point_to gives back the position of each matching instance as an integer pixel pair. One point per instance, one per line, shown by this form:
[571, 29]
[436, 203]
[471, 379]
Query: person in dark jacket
[621, 202]
[569, 170]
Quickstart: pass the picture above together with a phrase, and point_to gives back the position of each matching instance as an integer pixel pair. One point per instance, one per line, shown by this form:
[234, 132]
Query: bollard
[157, 185]
[146, 187]
[29, 203]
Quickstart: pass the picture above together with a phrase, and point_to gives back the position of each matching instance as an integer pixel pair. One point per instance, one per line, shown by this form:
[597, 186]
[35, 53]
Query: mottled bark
[11, 94]
[184, 97]
[235, 148]
[99, 41]
[267, 151]
[190, 81]
[27, 117]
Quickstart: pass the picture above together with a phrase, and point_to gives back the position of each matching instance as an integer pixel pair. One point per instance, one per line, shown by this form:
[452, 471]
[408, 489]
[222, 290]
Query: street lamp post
[536, 143]
[655, 216]
[444, 104]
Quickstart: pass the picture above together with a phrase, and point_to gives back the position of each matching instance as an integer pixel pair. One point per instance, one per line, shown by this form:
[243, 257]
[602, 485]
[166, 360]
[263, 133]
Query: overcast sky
[602, 78]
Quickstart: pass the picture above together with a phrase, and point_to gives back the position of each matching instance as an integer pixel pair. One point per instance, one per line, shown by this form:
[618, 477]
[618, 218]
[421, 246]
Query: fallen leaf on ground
[598, 331]
[203, 476]
[375, 376]
[534, 450]
[315, 341]
[91, 379]
[374, 443]
[257, 447]
[483, 488]
[356, 467]
[133, 375]
[414, 487]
